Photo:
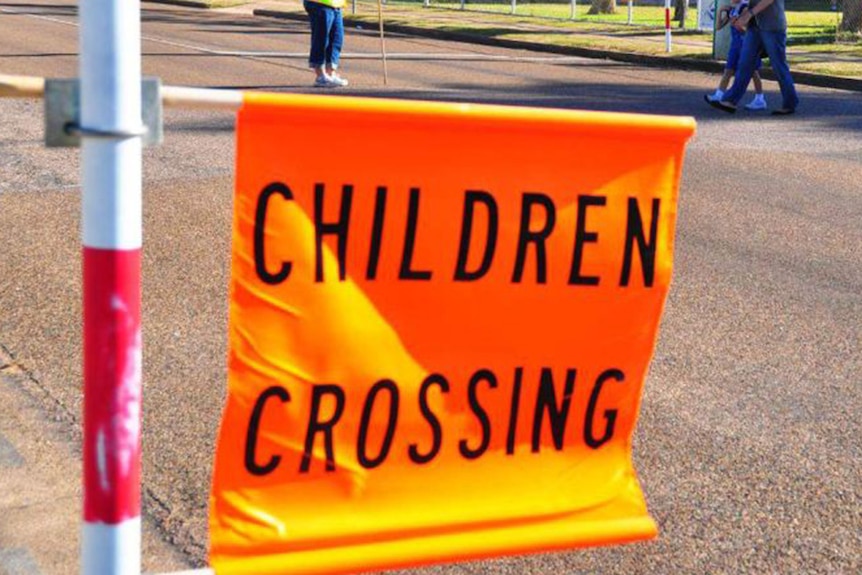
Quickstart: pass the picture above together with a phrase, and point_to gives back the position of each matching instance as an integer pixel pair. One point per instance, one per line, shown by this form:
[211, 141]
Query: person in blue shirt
[726, 15]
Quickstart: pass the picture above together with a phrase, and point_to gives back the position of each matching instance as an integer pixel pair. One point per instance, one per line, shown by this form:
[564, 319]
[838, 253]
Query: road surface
[748, 445]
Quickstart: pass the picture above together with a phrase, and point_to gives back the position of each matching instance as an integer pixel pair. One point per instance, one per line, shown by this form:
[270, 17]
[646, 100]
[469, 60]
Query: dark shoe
[783, 111]
[723, 106]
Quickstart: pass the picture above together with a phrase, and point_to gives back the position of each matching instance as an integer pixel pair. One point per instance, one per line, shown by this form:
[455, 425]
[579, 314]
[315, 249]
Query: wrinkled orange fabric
[532, 482]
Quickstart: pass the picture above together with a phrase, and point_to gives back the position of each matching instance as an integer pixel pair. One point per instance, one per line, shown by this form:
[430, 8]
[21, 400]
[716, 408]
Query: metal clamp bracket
[63, 114]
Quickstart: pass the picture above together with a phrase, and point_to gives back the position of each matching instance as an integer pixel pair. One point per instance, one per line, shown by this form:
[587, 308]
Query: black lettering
[646, 248]
[376, 233]
[610, 414]
[513, 411]
[481, 414]
[470, 199]
[361, 442]
[536, 237]
[431, 418]
[582, 236]
[406, 272]
[259, 234]
[339, 229]
[546, 401]
[253, 428]
[316, 426]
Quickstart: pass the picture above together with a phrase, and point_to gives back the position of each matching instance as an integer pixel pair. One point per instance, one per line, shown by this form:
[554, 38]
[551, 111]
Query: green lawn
[811, 33]
[805, 26]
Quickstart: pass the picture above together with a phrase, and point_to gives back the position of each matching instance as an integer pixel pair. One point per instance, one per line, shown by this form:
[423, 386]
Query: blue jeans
[736, 38]
[775, 44]
[327, 34]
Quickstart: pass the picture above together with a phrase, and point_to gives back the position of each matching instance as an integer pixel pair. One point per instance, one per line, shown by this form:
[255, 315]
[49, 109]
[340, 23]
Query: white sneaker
[715, 96]
[337, 80]
[756, 103]
[323, 81]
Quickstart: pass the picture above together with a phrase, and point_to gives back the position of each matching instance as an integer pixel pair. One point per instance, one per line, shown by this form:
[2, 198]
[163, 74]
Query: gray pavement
[472, 27]
[747, 447]
[40, 494]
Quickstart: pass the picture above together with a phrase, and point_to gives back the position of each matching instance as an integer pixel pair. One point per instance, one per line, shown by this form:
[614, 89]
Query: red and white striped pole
[667, 25]
[110, 69]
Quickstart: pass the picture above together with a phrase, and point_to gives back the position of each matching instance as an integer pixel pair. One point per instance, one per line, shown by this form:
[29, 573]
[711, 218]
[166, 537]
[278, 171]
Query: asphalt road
[748, 447]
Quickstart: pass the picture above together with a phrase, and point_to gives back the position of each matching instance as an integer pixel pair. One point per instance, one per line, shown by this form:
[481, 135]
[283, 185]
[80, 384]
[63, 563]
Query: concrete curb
[807, 78]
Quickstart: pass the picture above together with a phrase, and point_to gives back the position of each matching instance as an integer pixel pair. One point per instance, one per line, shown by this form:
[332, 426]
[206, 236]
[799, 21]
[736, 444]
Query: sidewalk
[40, 496]
[634, 44]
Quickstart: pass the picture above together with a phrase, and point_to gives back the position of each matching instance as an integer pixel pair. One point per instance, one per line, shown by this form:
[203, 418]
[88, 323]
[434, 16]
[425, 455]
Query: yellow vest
[330, 3]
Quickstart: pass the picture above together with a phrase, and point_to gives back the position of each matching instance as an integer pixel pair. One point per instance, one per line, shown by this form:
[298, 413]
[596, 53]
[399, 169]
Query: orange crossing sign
[441, 320]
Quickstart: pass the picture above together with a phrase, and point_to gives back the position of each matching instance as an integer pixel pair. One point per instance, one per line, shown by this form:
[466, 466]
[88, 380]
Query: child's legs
[755, 77]
[336, 40]
[758, 84]
[725, 79]
[747, 60]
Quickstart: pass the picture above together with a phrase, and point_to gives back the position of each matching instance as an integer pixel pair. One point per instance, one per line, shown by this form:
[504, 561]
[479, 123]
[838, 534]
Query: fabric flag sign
[441, 319]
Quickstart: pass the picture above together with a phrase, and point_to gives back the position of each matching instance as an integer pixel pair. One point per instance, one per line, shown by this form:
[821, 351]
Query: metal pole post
[837, 19]
[382, 42]
[630, 9]
[514, 6]
[110, 69]
[574, 4]
[667, 25]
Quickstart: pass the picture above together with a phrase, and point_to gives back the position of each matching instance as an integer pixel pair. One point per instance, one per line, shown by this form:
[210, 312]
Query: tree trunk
[852, 20]
[680, 11]
[603, 6]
